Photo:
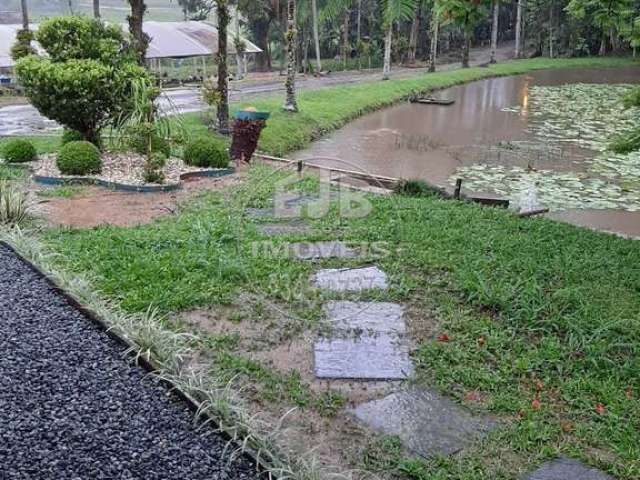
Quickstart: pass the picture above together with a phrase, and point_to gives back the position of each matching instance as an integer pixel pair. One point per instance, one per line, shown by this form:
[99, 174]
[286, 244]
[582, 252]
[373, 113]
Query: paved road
[25, 120]
[73, 407]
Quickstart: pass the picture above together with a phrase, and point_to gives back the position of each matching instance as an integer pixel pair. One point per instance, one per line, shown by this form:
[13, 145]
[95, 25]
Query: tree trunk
[345, 39]
[239, 53]
[494, 29]
[551, 52]
[519, 20]
[435, 24]
[316, 35]
[290, 104]
[96, 8]
[386, 70]
[413, 36]
[222, 12]
[466, 46]
[25, 14]
[139, 39]
[603, 45]
[260, 29]
[359, 20]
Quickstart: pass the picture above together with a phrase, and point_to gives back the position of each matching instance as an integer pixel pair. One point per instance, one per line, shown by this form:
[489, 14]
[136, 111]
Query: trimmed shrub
[79, 158]
[206, 152]
[19, 151]
[22, 48]
[70, 136]
[84, 81]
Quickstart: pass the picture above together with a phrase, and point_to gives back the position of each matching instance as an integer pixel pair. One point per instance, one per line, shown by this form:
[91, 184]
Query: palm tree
[467, 14]
[519, 22]
[435, 24]
[222, 12]
[96, 8]
[290, 104]
[316, 35]
[25, 15]
[139, 39]
[495, 9]
[393, 11]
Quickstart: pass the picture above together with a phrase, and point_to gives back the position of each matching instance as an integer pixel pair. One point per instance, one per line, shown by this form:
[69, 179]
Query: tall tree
[316, 35]
[413, 34]
[222, 11]
[261, 14]
[519, 28]
[96, 8]
[609, 16]
[393, 11]
[290, 104]
[495, 15]
[197, 10]
[435, 28]
[25, 15]
[139, 39]
[466, 14]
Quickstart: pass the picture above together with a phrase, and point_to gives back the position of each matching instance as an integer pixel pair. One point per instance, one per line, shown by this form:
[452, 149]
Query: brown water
[430, 142]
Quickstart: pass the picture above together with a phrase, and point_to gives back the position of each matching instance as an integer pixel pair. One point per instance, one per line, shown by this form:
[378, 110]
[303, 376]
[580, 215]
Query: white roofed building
[176, 48]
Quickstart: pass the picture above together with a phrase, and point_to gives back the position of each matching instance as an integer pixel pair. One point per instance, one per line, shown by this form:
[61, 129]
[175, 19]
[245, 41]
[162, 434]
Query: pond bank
[546, 131]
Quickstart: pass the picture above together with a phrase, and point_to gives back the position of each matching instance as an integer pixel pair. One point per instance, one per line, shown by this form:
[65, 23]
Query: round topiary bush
[69, 135]
[79, 158]
[19, 151]
[206, 152]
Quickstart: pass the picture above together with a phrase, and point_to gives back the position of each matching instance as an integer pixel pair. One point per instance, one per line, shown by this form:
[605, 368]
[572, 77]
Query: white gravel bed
[118, 167]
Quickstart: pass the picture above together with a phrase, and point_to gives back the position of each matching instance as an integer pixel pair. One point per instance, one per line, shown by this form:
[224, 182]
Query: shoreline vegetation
[327, 109]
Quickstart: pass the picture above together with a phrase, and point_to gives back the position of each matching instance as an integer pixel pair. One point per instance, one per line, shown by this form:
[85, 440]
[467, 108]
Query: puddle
[491, 128]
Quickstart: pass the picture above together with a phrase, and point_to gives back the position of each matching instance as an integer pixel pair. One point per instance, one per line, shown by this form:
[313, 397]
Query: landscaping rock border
[174, 408]
[44, 180]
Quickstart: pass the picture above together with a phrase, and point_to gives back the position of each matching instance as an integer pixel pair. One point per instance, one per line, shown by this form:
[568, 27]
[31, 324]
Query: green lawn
[542, 318]
[534, 309]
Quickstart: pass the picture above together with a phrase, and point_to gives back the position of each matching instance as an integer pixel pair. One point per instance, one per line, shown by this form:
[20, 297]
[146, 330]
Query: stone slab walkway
[350, 279]
[426, 423]
[72, 406]
[367, 342]
[566, 469]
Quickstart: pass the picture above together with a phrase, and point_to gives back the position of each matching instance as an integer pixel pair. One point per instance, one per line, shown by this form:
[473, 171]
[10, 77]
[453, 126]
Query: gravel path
[73, 407]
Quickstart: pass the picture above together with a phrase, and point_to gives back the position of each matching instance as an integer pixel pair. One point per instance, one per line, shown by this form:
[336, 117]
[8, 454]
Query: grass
[63, 191]
[541, 319]
[533, 310]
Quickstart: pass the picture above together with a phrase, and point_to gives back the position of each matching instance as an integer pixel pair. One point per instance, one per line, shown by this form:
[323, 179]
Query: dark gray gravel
[73, 407]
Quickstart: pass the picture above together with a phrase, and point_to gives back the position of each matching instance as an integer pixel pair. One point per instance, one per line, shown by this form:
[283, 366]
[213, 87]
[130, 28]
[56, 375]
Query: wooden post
[456, 193]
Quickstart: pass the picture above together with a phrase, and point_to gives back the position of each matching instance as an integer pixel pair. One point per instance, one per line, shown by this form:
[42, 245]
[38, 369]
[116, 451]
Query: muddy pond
[539, 139]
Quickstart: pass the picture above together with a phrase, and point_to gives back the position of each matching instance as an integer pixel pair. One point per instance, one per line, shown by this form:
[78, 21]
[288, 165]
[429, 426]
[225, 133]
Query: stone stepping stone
[259, 213]
[277, 229]
[567, 469]
[366, 317]
[367, 343]
[321, 250]
[427, 423]
[350, 279]
[365, 358]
